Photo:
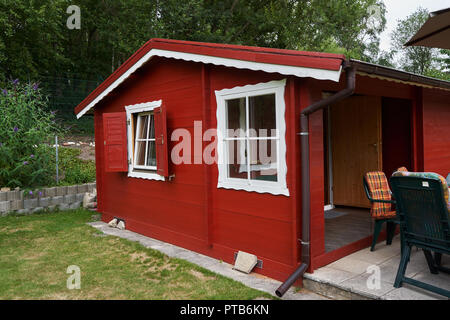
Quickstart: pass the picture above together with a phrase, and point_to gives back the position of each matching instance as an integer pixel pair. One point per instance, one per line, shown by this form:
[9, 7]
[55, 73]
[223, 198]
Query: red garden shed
[181, 126]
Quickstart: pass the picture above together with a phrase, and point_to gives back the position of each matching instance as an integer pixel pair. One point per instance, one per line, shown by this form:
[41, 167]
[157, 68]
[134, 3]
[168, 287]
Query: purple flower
[32, 156]
[53, 112]
[30, 193]
[16, 129]
[16, 81]
[5, 92]
[25, 162]
[35, 86]
[40, 193]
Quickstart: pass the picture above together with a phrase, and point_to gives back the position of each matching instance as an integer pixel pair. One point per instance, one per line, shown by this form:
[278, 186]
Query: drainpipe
[350, 72]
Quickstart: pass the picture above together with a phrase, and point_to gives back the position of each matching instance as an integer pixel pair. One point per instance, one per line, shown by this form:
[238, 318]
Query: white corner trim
[137, 108]
[320, 74]
[276, 188]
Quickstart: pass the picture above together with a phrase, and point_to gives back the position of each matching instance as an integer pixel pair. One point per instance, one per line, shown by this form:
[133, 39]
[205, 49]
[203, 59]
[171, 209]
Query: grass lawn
[35, 251]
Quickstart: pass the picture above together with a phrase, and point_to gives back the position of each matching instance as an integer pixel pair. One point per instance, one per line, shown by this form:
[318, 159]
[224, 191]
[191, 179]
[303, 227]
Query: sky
[400, 9]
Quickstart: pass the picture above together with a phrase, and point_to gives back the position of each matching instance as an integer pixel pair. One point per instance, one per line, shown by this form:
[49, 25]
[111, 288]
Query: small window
[251, 144]
[144, 143]
[142, 146]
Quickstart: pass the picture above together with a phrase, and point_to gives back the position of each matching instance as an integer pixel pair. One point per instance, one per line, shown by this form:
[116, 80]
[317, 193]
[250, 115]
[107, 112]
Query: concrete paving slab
[387, 259]
[351, 265]
[440, 280]
[329, 274]
[251, 280]
[408, 292]
[378, 256]
[364, 286]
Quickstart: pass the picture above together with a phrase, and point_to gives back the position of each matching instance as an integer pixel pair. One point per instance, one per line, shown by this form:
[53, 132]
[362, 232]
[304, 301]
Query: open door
[355, 147]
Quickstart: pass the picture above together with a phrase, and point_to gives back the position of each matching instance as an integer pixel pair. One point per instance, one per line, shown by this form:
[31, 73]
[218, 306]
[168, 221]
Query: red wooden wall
[436, 131]
[190, 211]
[429, 119]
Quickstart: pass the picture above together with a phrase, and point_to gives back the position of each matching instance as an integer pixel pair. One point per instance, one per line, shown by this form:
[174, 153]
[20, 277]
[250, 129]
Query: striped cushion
[379, 190]
[445, 187]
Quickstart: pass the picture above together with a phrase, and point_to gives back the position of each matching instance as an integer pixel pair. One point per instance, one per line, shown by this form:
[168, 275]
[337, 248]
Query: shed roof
[322, 66]
[317, 65]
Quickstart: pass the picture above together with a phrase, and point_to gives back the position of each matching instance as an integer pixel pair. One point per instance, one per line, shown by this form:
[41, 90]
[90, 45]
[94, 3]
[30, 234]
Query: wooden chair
[379, 194]
[424, 210]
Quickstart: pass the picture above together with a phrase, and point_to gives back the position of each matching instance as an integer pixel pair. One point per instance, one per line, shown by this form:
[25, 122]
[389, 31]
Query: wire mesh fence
[66, 91]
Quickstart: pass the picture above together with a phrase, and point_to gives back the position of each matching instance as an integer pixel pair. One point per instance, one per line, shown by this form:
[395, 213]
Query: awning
[435, 32]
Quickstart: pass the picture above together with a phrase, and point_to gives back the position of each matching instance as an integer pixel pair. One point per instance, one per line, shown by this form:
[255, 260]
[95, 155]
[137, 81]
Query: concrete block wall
[53, 198]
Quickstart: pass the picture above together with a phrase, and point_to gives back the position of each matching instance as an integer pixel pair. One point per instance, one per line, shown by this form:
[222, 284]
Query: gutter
[350, 71]
[411, 78]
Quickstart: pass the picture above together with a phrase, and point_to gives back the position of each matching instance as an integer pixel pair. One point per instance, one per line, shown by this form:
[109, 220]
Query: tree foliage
[414, 59]
[34, 38]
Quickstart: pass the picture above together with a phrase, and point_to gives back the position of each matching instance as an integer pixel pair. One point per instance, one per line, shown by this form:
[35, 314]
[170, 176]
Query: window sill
[145, 175]
[275, 190]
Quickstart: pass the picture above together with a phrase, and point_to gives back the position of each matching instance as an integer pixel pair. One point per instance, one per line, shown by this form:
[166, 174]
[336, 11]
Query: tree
[442, 69]
[413, 59]
[30, 38]
[319, 25]
[34, 38]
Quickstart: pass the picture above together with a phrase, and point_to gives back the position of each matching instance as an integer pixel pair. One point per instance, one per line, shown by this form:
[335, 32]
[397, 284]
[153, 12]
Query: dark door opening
[396, 128]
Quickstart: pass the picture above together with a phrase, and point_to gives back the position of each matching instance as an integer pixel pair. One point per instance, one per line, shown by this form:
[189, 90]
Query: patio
[356, 222]
[348, 277]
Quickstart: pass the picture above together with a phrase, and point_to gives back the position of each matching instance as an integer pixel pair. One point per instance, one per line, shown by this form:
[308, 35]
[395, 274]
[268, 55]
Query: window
[142, 144]
[251, 132]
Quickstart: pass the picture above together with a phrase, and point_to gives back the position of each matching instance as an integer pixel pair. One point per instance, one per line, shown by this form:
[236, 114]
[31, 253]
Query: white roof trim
[320, 74]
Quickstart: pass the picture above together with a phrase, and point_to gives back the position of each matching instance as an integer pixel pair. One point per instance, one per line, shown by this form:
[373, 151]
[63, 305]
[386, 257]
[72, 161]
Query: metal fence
[66, 91]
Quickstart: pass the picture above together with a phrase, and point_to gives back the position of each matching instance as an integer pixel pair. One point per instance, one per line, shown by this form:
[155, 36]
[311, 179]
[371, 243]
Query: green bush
[72, 169]
[25, 127]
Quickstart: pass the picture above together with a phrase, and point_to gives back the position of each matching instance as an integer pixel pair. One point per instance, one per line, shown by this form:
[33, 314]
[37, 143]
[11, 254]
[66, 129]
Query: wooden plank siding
[436, 131]
[257, 223]
[190, 211]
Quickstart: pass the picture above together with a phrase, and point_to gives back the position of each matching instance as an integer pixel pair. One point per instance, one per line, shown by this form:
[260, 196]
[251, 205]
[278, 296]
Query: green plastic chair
[424, 223]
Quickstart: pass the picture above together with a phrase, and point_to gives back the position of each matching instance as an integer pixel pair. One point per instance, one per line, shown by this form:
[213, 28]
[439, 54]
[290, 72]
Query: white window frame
[136, 171]
[278, 187]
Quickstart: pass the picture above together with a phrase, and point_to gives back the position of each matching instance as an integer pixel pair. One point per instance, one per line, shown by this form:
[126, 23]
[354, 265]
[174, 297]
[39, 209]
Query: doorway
[361, 134]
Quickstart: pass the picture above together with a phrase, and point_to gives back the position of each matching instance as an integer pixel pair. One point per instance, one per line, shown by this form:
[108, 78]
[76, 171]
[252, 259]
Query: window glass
[259, 135]
[151, 132]
[237, 159]
[262, 117]
[145, 148]
[263, 160]
[143, 126]
[236, 117]
[140, 153]
[151, 154]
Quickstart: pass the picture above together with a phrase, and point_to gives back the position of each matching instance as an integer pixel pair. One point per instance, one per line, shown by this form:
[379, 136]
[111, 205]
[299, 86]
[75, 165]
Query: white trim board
[272, 87]
[303, 72]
